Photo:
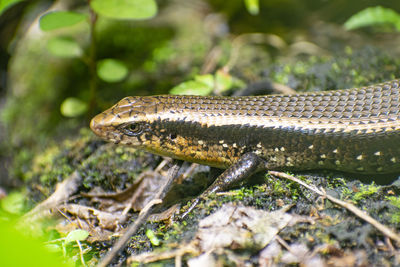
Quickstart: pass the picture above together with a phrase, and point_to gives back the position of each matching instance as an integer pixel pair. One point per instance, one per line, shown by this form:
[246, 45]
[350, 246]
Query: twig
[149, 257]
[172, 175]
[284, 244]
[361, 214]
[81, 253]
[178, 260]
[189, 171]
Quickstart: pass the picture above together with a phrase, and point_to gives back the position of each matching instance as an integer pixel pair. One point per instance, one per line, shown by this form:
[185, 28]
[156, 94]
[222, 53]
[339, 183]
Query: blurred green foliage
[73, 107]
[59, 19]
[111, 70]
[374, 16]
[125, 9]
[4, 4]
[64, 47]
[253, 6]
[21, 248]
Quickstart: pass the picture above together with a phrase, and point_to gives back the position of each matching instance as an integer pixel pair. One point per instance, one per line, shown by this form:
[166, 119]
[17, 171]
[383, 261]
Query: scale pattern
[353, 130]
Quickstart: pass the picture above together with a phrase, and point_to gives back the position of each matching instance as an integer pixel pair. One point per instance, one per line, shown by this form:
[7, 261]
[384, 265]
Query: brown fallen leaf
[279, 251]
[95, 233]
[234, 227]
[103, 219]
[241, 227]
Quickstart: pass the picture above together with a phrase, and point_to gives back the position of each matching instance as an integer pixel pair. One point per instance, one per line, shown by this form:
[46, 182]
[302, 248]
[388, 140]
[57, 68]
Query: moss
[395, 215]
[365, 191]
[337, 182]
[344, 71]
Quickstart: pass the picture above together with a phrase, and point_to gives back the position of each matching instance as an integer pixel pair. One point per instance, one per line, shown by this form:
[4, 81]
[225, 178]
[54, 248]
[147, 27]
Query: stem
[92, 63]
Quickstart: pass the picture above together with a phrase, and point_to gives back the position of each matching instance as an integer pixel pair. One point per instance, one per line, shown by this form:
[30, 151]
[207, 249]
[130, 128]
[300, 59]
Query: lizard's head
[127, 122]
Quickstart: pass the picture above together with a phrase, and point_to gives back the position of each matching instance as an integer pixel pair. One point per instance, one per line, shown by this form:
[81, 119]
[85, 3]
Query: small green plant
[374, 16]
[108, 70]
[72, 240]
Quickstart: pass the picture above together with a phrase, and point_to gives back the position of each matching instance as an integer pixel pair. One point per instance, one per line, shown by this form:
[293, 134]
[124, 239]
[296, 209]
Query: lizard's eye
[133, 129]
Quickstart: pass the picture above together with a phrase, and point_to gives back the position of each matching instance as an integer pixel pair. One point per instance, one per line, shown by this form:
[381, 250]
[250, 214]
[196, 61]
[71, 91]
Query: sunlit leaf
[201, 85]
[76, 235]
[5, 4]
[59, 19]
[191, 88]
[111, 70]
[373, 16]
[252, 6]
[73, 107]
[125, 9]
[64, 47]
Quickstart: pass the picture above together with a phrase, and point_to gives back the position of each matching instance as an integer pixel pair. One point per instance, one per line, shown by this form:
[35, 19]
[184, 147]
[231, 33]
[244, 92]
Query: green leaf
[13, 203]
[125, 9]
[111, 70]
[201, 85]
[207, 79]
[191, 88]
[5, 4]
[373, 16]
[59, 19]
[76, 235]
[252, 6]
[152, 237]
[64, 47]
[73, 107]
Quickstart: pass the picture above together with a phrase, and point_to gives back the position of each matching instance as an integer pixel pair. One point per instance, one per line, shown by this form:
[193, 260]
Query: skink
[353, 130]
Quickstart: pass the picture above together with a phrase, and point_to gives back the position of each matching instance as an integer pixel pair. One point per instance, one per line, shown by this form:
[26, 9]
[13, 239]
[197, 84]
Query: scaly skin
[354, 130]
